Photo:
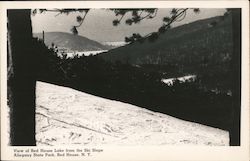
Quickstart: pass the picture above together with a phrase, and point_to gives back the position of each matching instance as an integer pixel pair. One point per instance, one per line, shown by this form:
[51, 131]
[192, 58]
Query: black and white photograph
[124, 77]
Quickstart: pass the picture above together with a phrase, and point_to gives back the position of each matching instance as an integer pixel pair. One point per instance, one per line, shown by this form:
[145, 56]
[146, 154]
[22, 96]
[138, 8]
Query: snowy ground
[115, 43]
[67, 116]
[79, 53]
[85, 53]
[187, 78]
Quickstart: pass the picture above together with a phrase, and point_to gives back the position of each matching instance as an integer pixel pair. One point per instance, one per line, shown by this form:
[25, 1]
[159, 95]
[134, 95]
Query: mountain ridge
[70, 41]
[203, 48]
[133, 52]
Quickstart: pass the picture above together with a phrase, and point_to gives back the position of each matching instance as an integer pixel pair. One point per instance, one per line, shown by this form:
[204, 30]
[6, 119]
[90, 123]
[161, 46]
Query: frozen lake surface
[187, 78]
[65, 116]
[85, 53]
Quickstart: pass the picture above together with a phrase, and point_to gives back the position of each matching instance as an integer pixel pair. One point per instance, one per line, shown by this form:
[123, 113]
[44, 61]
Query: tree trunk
[236, 81]
[21, 78]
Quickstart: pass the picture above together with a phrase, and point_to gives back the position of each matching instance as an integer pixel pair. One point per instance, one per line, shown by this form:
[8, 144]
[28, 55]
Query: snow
[183, 79]
[65, 116]
[85, 53]
[115, 43]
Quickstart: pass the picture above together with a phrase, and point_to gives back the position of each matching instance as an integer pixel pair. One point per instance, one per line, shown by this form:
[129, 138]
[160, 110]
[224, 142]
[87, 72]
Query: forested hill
[203, 48]
[70, 41]
[203, 40]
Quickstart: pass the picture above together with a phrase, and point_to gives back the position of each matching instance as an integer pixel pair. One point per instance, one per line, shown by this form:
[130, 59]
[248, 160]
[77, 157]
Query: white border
[141, 152]
[124, 4]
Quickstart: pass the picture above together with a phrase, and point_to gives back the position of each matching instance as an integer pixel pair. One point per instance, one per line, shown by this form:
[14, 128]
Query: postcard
[125, 80]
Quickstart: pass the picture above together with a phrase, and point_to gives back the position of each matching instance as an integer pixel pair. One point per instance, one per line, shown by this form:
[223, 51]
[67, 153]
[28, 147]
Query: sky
[98, 23]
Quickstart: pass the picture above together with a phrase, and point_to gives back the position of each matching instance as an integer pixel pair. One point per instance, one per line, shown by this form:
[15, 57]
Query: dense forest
[135, 85]
[202, 48]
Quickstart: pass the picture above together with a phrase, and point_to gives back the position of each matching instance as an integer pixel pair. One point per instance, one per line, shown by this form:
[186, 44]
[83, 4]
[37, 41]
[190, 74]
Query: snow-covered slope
[67, 116]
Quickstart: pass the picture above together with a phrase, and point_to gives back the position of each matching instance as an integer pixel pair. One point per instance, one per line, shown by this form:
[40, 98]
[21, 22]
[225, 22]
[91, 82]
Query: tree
[21, 63]
[236, 77]
[21, 78]
[137, 15]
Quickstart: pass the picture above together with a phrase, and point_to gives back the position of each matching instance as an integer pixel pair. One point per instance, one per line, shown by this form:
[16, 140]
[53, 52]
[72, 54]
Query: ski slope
[66, 117]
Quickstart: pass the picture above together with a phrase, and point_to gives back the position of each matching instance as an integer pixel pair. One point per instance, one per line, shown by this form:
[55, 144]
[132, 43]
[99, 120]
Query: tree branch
[83, 18]
[175, 17]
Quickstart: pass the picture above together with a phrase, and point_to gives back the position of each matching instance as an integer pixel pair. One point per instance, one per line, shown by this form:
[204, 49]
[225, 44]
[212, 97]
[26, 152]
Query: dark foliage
[136, 85]
[202, 48]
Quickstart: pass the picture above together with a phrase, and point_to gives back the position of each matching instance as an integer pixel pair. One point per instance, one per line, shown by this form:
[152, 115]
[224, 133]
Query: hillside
[201, 47]
[85, 119]
[70, 41]
[194, 39]
[135, 85]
